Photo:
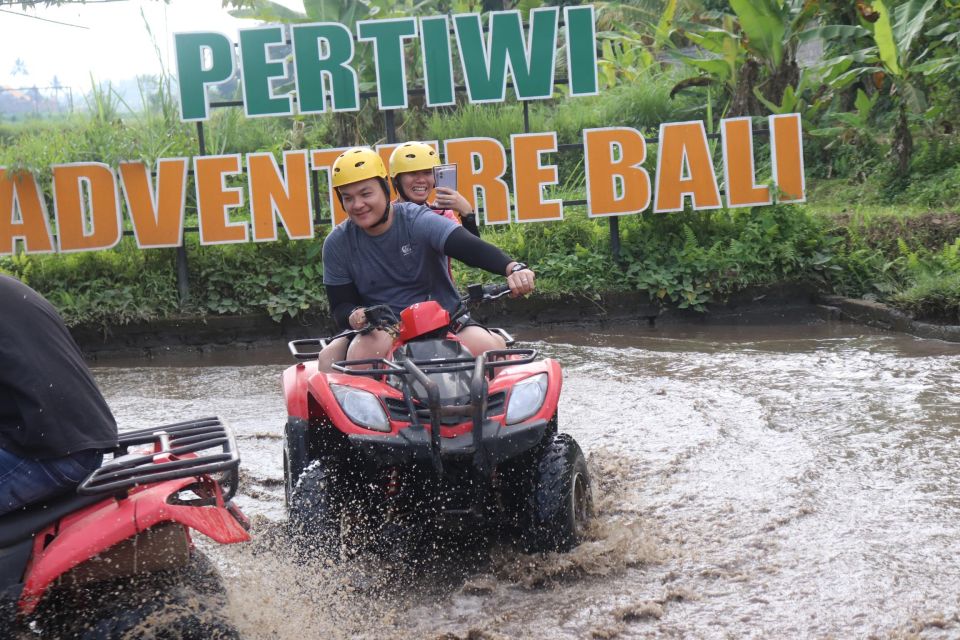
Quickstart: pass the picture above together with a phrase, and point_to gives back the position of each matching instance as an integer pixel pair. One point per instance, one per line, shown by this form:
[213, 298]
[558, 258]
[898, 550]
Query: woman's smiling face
[416, 185]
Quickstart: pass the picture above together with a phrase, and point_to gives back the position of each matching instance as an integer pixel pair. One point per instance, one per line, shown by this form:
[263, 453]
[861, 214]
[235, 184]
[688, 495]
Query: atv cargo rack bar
[177, 453]
[445, 365]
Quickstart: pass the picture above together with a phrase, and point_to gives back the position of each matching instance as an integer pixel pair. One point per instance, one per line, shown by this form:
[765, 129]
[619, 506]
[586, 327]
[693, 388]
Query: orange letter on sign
[323, 159]
[481, 163]
[86, 206]
[23, 214]
[214, 198]
[739, 170]
[786, 148]
[285, 197]
[529, 176]
[615, 186]
[684, 167]
[157, 216]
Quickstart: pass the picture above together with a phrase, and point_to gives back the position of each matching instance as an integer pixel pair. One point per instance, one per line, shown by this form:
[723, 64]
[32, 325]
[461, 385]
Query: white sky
[113, 43]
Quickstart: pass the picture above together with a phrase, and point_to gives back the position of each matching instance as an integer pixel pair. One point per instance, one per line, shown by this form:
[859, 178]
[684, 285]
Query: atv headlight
[526, 398]
[362, 407]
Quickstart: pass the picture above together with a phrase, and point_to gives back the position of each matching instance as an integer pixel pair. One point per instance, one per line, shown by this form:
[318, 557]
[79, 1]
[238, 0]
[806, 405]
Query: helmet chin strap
[399, 190]
[383, 218]
[386, 211]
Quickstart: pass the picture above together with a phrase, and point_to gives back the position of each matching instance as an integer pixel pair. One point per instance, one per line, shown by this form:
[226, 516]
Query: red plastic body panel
[421, 318]
[295, 388]
[81, 535]
[318, 386]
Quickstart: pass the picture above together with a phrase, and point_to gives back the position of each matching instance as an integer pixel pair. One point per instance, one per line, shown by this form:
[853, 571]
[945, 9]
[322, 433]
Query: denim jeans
[24, 481]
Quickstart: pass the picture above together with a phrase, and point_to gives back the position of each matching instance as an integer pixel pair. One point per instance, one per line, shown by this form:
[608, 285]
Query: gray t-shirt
[403, 266]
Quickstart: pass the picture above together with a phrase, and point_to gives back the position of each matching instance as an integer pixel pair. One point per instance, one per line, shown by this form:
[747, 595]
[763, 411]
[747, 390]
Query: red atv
[116, 559]
[429, 433]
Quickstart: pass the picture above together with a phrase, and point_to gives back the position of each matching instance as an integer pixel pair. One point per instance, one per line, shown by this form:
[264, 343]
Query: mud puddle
[795, 481]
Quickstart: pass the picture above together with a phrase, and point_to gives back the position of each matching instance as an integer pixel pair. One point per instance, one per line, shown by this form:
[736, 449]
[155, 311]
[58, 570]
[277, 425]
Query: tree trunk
[902, 143]
[744, 103]
[786, 75]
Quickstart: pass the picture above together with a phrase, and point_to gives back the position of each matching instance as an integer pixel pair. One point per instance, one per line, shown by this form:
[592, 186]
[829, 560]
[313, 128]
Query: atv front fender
[91, 531]
[295, 388]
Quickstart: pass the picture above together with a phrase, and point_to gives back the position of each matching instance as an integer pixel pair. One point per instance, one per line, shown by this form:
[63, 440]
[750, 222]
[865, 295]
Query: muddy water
[795, 481]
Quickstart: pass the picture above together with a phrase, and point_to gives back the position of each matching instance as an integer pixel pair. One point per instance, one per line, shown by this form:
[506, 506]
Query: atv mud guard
[487, 442]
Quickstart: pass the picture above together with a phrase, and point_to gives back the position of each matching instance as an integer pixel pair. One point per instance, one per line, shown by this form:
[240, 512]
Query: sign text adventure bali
[316, 59]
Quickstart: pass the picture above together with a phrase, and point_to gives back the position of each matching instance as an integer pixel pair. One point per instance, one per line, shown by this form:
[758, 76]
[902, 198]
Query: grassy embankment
[861, 234]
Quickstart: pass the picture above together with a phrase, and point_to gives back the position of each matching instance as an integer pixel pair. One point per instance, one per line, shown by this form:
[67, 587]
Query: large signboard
[243, 198]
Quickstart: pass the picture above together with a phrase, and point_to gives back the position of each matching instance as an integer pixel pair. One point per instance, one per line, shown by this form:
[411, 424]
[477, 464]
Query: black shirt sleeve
[343, 298]
[469, 223]
[475, 252]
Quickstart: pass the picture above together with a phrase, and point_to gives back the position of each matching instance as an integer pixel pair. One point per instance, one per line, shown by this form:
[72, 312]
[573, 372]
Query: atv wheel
[315, 507]
[180, 604]
[560, 502]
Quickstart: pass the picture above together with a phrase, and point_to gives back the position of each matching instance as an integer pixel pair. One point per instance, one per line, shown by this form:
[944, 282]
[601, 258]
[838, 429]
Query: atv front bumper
[412, 445]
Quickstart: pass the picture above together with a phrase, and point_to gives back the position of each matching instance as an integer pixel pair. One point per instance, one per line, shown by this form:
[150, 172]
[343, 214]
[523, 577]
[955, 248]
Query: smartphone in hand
[445, 175]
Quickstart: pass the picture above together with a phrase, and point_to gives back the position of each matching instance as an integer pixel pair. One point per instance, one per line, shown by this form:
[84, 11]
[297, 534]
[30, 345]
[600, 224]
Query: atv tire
[560, 500]
[315, 508]
[180, 604]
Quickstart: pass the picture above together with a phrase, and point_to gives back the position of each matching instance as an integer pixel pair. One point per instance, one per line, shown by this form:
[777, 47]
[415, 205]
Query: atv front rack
[381, 366]
[411, 370]
[178, 452]
[307, 349]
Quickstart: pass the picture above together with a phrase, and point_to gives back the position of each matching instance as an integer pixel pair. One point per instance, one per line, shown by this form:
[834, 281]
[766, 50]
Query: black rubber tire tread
[553, 524]
[182, 604]
[315, 507]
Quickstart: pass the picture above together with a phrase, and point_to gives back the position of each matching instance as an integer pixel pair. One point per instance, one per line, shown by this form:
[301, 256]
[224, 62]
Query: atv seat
[23, 524]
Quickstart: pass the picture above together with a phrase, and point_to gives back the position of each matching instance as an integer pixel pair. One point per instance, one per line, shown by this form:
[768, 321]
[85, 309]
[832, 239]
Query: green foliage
[688, 259]
[692, 258]
[105, 287]
[497, 121]
[934, 292]
[282, 278]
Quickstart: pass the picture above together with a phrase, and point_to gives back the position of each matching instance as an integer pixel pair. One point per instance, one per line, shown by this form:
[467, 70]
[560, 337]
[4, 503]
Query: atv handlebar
[380, 316]
[484, 293]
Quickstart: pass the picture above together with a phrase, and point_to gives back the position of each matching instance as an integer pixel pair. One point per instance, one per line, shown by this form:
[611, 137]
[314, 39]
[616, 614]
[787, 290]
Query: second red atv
[116, 558]
[431, 432]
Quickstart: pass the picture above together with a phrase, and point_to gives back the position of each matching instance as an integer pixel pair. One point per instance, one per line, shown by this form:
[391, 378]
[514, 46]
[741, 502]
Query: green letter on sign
[258, 67]
[581, 50]
[387, 37]
[437, 66]
[194, 75]
[531, 65]
[323, 51]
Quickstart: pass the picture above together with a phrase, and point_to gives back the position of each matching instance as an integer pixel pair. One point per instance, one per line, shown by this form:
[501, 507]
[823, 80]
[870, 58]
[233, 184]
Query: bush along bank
[686, 260]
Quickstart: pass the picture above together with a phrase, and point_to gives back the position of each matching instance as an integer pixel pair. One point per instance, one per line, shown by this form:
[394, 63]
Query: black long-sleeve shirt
[50, 405]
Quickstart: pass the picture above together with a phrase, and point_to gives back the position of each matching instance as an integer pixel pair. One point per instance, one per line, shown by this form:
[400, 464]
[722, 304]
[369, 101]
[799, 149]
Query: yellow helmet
[356, 164]
[412, 156]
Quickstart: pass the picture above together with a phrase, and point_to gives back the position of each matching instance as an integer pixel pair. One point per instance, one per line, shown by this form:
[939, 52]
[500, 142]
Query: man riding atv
[396, 254]
[430, 418]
